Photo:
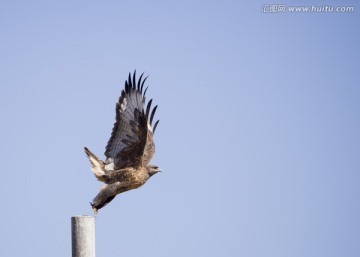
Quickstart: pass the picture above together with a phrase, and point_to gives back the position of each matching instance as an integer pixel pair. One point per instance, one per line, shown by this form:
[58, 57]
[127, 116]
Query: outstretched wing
[131, 143]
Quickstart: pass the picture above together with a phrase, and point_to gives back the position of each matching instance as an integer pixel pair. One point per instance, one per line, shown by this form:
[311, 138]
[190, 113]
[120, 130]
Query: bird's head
[152, 169]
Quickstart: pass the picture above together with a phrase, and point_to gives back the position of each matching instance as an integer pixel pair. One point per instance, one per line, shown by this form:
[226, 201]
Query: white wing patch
[149, 127]
[123, 105]
[109, 164]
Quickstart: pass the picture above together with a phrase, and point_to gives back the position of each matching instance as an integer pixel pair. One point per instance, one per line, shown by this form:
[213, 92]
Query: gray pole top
[83, 236]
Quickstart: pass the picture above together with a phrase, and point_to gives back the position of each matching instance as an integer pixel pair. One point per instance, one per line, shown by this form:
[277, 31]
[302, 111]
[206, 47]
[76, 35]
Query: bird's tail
[98, 166]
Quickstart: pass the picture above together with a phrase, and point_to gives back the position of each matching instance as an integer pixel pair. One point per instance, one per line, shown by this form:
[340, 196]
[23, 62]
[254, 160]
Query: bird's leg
[95, 211]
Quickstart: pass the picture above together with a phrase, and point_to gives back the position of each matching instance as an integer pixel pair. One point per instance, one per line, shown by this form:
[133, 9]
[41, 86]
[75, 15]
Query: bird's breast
[136, 178]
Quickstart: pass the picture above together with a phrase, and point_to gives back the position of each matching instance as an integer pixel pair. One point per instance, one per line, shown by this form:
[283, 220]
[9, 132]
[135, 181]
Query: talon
[94, 209]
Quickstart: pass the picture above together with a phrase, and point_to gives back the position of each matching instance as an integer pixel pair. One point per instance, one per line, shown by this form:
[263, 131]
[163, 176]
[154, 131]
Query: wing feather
[156, 123]
[152, 114]
[131, 142]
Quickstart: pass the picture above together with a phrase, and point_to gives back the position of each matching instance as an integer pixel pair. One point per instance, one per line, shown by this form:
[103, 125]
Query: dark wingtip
[139, 83]
[145, 91]
[148, 109]
[152, 114]
[142, 84]
[126, 86]
[134, 79]
[129, 80]
[156, 123]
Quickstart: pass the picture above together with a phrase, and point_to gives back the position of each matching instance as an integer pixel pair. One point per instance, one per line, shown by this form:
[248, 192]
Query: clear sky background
[258, 136]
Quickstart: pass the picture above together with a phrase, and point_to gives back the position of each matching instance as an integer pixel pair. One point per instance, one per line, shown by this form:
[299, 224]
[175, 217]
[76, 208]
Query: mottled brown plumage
[130, 147]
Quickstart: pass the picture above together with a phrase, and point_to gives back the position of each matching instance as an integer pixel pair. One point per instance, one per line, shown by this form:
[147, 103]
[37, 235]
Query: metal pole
[83, 236]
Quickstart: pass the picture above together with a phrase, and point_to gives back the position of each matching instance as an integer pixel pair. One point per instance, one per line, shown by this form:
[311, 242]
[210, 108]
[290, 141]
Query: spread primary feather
[130, 147]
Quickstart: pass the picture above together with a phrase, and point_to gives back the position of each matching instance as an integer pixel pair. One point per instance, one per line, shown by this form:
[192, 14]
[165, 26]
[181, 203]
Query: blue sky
[258, 137]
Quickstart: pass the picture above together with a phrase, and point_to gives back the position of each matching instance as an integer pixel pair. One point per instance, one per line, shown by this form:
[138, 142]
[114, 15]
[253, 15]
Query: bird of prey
[130, 147]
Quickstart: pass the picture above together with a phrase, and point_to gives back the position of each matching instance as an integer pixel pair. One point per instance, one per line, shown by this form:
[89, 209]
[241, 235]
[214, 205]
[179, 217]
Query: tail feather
[98, 166]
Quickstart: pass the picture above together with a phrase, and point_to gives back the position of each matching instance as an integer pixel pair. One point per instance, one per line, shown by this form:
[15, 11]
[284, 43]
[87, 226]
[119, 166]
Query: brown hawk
[130, 147]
